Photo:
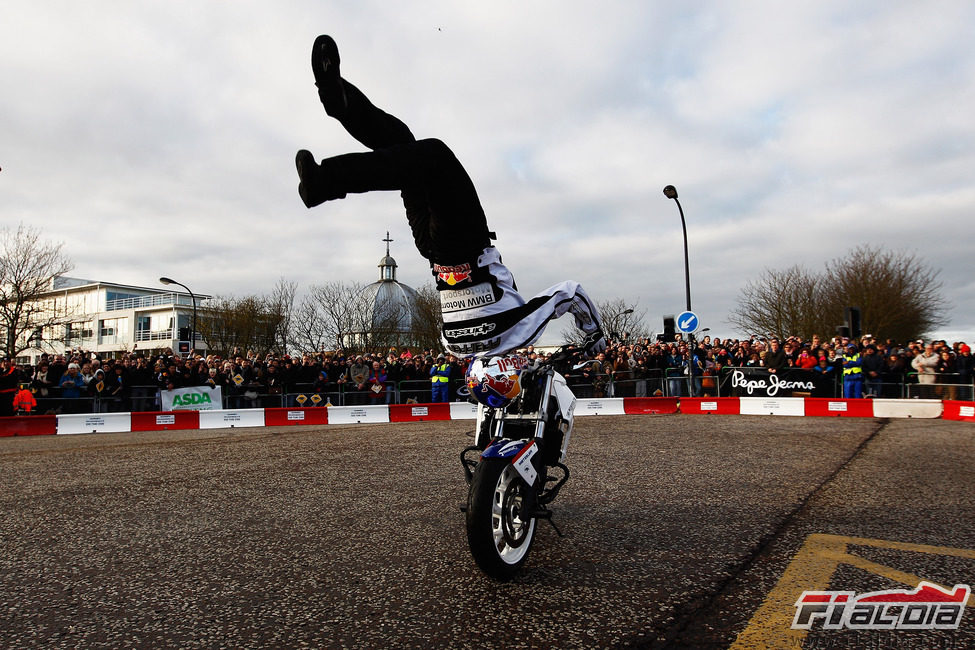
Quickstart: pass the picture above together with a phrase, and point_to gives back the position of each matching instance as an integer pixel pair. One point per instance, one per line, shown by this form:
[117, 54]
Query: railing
[157, 335]
[156, 300]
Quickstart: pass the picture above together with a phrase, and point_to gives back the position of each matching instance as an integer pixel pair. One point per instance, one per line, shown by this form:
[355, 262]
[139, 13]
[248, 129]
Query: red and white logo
[927, 607]
[453, 275]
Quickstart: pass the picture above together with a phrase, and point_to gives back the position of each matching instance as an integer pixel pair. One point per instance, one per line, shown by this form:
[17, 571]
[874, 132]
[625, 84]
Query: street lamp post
[671, 193]
[166, 280]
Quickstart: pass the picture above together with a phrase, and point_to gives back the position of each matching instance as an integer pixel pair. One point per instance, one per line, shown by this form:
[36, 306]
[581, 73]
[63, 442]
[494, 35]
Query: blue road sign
[688, 322]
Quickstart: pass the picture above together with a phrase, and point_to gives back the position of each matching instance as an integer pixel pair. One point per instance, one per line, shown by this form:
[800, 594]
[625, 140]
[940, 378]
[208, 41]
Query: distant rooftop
[64, 282]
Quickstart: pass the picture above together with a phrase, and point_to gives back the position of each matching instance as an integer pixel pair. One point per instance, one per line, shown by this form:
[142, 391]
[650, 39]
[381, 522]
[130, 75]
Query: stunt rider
[483, 313]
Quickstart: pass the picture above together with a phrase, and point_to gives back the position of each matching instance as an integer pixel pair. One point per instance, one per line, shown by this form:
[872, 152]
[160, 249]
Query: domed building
[389, 308]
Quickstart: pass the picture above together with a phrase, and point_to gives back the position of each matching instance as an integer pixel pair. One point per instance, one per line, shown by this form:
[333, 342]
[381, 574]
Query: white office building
[111, 319]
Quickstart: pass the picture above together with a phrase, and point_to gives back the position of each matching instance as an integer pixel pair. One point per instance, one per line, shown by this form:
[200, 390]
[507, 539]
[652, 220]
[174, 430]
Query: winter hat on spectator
[964, 348]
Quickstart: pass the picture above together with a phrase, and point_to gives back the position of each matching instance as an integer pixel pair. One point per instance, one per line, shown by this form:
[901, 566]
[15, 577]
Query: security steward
[852, 372]
[440, 380]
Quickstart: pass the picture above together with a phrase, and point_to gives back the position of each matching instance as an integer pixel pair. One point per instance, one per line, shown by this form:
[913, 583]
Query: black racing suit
[482, 311]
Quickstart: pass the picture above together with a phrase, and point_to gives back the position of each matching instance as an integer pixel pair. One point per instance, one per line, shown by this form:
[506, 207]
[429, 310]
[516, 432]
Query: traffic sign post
[688, 322]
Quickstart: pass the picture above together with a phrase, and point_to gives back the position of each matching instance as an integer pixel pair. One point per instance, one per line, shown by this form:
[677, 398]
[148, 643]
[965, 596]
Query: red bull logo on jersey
[453, 275]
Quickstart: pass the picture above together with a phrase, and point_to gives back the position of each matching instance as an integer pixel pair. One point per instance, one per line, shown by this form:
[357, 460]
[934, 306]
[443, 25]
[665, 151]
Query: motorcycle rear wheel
[499, 534]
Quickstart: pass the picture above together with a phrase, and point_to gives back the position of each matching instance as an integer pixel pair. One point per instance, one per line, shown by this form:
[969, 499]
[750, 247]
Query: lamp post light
[671, 193]
[166, 280]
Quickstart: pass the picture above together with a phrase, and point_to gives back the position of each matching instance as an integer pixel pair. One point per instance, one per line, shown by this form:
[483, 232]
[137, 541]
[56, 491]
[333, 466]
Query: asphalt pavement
[679, 531]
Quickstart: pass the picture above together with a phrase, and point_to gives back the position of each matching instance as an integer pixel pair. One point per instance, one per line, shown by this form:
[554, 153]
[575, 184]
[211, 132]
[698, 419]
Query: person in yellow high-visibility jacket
[852, 372]
[440, 380]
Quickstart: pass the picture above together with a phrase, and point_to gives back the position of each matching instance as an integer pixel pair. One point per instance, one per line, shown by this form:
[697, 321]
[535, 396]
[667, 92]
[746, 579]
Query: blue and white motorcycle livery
[516, 466]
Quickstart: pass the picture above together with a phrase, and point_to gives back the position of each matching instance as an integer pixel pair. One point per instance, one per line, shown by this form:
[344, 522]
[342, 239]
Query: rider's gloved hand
[594, 343]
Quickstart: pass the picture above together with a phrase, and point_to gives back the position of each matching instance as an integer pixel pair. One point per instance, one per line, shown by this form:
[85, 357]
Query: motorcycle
[516, 466]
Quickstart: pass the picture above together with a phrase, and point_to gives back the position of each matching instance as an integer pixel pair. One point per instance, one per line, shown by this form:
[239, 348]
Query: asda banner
[194, 398]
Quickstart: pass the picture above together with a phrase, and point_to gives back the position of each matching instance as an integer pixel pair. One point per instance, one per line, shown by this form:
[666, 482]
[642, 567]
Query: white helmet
[495, 381]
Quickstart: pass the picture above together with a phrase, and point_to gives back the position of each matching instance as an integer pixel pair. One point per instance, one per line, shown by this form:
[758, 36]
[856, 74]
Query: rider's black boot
[325, 67]
[315, 186]
[349, 173]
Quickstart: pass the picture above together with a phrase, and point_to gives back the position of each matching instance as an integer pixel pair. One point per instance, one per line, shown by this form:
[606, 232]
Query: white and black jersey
[484, 315]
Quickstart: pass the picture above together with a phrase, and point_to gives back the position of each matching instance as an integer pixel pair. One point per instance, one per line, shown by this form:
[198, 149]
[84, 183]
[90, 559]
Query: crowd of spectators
[883, 363]
[400, 375]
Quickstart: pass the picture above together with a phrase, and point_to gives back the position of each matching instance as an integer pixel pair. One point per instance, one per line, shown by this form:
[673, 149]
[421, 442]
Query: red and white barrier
[95, 423]
[358, 414]
[374, 414]
[280, 417]
[907, 408]
[163, 420]
[649, 405]
[610, 406]
[231, 418]
[823, 406]
[954, 410]
[709, 405]
[33, 425]
[418, 412]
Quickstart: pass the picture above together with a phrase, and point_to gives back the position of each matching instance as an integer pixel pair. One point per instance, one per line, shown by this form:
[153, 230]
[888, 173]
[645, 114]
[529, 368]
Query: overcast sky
[158, 138]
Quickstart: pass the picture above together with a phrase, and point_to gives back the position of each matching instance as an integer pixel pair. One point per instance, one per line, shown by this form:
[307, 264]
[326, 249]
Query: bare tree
[28, 267]
[899, 297]
[621, 321]
[330, 313]
[781, 303]
[427, 318]
[248, 323]
[280, 302]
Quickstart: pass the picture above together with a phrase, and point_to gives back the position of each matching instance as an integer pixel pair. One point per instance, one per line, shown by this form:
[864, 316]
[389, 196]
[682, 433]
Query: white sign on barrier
[966, 411]
[296, 416]
[837, 406]
[95, 423]
[772, 406]
[166, 418]
[358, 414]
[463, 411]
[907, 408]
[420, 411]
[227, 419]
[709, 406]
[610, 406]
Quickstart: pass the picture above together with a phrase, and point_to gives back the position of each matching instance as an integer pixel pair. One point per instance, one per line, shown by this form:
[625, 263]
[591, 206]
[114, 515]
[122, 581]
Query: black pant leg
[442, 205]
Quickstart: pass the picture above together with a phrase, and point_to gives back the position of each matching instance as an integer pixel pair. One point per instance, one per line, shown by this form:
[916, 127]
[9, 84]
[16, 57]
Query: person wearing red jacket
[805, 360]
[24, 401]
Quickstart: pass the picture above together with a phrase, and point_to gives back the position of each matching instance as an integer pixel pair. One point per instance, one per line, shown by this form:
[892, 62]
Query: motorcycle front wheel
[499, 532]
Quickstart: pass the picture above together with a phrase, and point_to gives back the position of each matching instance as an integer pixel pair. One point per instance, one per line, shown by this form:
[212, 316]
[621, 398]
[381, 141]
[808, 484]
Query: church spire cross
[387, 240]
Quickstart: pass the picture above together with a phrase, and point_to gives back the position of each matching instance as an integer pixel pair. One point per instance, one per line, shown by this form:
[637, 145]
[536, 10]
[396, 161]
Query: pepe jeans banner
[759, 382]
[196, 398]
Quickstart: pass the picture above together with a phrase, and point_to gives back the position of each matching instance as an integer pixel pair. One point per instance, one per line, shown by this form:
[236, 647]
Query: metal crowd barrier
[656, 383]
